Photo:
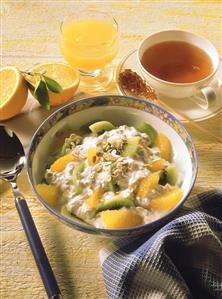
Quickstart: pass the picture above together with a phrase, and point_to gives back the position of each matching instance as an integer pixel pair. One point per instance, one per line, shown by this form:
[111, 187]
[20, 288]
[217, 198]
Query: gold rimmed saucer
[186, 106]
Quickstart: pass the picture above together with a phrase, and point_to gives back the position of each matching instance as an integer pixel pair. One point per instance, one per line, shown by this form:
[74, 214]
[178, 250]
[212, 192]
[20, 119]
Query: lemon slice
[65, 75]
[13, 92]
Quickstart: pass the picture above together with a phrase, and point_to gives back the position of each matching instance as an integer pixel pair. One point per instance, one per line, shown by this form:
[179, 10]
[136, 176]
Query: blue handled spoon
[12, 159]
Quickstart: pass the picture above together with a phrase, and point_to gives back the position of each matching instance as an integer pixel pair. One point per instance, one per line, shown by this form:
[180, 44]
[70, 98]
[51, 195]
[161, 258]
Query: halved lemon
[13, 92]
[65, 75]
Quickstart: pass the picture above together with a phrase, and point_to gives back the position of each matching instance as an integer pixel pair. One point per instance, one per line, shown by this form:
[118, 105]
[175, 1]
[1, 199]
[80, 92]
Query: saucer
[187, 106]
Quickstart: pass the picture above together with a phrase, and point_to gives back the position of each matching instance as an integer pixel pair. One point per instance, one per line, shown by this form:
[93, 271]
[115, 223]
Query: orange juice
[89, 44]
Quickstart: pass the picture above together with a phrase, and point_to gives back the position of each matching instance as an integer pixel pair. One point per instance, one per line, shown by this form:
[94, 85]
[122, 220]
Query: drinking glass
[89, 42]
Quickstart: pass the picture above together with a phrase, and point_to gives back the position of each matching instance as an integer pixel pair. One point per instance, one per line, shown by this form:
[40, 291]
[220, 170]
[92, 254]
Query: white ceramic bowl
[118, 110]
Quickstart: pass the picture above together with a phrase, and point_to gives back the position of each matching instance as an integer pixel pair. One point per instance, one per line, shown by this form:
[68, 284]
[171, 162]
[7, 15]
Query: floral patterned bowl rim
[112, 100]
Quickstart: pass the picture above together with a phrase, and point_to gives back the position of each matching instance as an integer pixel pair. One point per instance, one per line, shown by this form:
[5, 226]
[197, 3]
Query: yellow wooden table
[29, 34]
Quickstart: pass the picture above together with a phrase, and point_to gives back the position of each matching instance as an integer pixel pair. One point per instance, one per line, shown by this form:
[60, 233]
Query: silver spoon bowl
[12, 159]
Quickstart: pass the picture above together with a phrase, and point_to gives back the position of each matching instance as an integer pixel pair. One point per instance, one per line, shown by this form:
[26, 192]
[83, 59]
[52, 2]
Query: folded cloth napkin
[181, 260]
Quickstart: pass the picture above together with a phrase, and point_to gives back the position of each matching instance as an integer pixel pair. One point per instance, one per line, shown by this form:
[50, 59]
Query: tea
[177, 62]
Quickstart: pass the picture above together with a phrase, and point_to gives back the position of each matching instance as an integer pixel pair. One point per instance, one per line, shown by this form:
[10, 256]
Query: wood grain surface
[29, 34]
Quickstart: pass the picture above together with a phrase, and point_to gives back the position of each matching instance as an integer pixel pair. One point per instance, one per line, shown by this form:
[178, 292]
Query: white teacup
[200, 91]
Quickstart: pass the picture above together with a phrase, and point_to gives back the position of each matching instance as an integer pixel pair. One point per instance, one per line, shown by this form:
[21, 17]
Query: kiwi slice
[149, 130]
[131, 146]
[80, 167]
[116, 202]
[68, 215]
[171, 174]
[101, 126]
[76, 172]
[111, 187]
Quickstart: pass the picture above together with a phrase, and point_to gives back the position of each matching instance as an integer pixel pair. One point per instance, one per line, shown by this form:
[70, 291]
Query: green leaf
[52, 85]
[41, 94]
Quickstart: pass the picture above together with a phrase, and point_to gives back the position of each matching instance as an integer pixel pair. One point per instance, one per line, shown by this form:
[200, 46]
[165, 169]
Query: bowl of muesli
[112, 165]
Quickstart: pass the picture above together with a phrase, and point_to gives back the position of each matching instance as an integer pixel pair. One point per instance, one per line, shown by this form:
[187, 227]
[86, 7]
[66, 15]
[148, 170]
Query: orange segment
[13, 92]
[92, 156]
[49, 193]
[115, 219]
[94, 199]
[60, 164]
[157, 165]
[147, 184]
[164, 145]
[64, 74]
[166, 201]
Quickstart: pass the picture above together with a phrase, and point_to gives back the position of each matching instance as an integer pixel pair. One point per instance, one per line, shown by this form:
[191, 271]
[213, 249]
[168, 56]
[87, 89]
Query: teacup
[198, 90]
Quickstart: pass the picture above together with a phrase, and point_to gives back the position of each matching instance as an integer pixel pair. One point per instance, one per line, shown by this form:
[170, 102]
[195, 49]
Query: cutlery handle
[38, 251]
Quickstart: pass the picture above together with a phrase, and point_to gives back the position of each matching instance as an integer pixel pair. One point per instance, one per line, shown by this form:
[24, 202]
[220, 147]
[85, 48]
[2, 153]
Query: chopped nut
[77, 154]
[119, 169]
[109, 157]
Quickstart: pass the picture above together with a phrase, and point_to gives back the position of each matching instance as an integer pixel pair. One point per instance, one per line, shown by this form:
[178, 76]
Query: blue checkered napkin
[181, 260]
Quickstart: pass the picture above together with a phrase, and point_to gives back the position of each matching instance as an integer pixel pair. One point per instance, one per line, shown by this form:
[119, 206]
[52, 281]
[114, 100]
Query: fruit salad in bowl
[107, 168]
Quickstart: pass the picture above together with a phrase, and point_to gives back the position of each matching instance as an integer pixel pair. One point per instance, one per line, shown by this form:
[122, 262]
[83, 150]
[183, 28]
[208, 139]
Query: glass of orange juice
[89, 42]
